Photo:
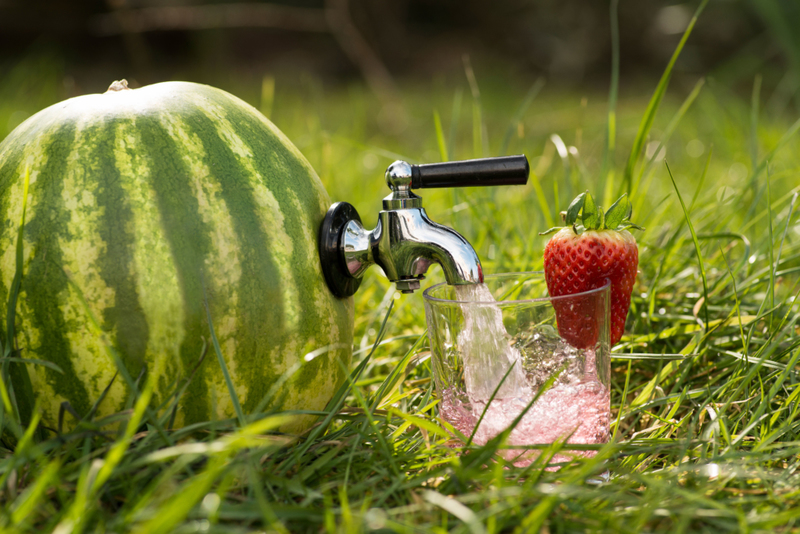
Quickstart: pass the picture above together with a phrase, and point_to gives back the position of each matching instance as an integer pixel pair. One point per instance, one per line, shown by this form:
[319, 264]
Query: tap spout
[404, 244]
[409, 242]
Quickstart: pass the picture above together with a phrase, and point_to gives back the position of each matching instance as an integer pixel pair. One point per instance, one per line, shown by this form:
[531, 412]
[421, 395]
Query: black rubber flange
[336, 274]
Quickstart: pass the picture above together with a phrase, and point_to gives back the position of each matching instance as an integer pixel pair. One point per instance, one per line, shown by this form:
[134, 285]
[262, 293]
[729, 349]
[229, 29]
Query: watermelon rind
[156, 200]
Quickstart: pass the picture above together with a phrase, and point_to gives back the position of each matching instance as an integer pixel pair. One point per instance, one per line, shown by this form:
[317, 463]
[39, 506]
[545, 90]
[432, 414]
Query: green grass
[705, 385]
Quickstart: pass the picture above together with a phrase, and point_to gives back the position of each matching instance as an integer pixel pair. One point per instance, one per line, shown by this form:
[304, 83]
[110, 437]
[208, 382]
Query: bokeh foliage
[706, 392]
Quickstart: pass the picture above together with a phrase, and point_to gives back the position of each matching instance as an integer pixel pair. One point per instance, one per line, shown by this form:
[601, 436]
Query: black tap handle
[507, 170]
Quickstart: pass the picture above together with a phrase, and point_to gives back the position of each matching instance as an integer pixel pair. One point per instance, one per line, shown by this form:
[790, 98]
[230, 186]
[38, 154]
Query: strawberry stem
[583, 214]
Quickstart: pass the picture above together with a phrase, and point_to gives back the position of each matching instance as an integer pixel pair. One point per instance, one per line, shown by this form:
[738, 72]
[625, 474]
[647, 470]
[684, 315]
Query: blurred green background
[358, 83]
[332, 56]
[568, 41]
[55, 49]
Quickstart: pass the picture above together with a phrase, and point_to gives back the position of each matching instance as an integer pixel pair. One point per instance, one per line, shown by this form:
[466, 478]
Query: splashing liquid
[486, 348]
[578, 412]
[576, 406]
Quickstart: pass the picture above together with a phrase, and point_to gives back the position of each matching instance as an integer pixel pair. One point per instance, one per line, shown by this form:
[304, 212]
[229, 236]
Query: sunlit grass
[705, 386]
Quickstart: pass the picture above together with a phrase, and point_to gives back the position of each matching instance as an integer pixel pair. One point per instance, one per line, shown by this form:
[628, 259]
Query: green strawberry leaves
[575, 208]
[618, 212]
[592, 216]
[583, 214]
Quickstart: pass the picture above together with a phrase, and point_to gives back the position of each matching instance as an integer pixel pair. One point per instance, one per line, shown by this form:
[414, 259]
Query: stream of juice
[576, 406]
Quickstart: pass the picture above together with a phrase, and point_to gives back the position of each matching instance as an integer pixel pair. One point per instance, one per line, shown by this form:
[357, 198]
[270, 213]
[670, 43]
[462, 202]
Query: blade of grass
[766, 402]
[19, 260]
[772, 263]
[737, 302]
[452, 506]
[670, 129]
[768, 303]
[755, 100]
[96, 475]
[702, 180]
[751, 186]
[437, 124]
[336, 403]
[94, 326]
[177, 507]
[544, 205]
[221, 359]
[34, 361]
[622, 402]
[609, 150]
[394, 378]
[30, 500]
[452, 137]
[10, 403]
[563, 153]
[384, 444]
[533, 92]
[488, 404]
[696, 247]
[652, 107]
[479, 140]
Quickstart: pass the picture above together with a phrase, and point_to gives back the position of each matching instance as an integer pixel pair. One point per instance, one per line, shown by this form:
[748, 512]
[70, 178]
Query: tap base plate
[338, 278]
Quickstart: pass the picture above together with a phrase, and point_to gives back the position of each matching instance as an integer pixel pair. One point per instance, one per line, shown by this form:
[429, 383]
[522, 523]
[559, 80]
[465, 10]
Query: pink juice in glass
[575, 407]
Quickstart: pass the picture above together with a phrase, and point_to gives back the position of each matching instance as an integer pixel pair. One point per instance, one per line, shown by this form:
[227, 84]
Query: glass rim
[428, 297]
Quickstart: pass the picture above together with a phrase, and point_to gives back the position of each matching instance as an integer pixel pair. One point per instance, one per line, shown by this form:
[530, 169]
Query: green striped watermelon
[154, 199]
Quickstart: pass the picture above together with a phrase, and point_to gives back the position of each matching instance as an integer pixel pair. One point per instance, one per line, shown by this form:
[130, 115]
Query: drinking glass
[506, 347]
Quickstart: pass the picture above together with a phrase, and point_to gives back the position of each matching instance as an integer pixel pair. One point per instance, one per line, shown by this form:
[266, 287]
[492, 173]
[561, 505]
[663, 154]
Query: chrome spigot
[405, 242]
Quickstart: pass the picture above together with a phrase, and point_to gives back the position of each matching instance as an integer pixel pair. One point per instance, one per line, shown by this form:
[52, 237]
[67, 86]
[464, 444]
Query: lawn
[705, 387]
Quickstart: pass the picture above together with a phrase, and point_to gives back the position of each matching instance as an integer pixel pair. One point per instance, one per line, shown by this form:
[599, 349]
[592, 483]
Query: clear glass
[496, 347]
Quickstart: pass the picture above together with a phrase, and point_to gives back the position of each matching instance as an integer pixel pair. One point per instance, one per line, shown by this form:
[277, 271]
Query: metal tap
[405, 242]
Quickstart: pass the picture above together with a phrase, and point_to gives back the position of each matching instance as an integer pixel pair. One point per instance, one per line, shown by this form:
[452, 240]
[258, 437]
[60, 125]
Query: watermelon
[154, 201]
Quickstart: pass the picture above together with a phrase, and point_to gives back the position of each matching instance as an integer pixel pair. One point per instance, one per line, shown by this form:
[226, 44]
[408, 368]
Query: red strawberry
[582, 257]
